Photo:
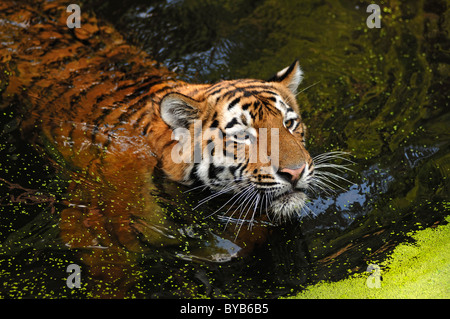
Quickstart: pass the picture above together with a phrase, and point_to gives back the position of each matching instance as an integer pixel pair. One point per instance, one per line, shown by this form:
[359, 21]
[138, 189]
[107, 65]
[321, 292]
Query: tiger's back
[77, 86]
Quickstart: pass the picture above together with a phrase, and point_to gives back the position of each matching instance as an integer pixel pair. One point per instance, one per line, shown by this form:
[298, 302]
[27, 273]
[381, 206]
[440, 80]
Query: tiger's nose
[292, 175]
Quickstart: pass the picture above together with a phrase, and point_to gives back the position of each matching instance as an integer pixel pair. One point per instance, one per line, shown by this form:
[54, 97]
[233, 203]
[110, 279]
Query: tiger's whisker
[308, 87]
[332, 175]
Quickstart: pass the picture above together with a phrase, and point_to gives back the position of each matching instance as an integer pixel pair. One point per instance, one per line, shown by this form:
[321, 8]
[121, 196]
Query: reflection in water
[415, 154]
[380, 94]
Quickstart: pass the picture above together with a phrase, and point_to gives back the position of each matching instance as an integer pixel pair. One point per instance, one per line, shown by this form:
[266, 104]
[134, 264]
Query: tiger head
[243, 137]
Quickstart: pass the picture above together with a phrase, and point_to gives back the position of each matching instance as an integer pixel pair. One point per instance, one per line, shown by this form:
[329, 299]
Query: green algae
[413, 270]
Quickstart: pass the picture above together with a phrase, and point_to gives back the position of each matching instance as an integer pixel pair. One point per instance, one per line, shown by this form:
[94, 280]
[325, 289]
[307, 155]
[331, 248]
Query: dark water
[380, 94]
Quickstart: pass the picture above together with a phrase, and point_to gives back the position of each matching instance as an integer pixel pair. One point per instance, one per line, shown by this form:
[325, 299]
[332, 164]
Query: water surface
[380, 94]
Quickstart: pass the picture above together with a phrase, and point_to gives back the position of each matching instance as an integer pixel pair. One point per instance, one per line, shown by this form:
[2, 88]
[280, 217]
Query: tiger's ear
[179, 110]
[290, 76]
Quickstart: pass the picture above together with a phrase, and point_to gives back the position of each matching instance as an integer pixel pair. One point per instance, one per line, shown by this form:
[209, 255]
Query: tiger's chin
[288, 205]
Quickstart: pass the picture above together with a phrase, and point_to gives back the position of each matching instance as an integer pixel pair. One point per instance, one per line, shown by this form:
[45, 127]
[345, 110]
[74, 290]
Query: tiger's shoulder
[83, 89]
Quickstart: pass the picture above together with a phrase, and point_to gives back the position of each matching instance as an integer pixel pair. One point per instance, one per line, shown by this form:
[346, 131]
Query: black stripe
[277, 78]
[161, 90]
[140, 118]
[138, 92]
[232, 123]
[216, 90]
[105, 113]
[233, 103]
[242, 168]
[246, 106]
[193, 174]
[248, 91]
[268, 92]
[145, 129]
[233, 170]
[213, 171]
[134, 108]
[94, 133]
[215, 123]
[231, 93]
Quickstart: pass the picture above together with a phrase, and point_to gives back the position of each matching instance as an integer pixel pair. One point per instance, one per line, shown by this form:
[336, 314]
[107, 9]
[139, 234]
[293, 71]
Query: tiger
[67, 77]
[107, 114]
[109, 117]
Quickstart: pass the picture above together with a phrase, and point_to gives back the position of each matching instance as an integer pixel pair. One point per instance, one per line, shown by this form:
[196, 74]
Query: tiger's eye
[289, 124]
